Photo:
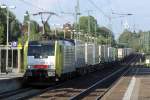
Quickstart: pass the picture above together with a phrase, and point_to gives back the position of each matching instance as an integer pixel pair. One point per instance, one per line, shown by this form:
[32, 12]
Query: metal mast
[77, 13]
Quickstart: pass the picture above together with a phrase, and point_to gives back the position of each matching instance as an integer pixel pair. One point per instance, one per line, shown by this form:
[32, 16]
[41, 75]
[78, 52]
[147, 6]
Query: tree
[131, 40]
[3, 25]
[15, 30]
[34, 27]
[125, 38]
[84, 21]
[1, 33]
[106, 35]
[34, 30]
[26, 18]
[47, 28]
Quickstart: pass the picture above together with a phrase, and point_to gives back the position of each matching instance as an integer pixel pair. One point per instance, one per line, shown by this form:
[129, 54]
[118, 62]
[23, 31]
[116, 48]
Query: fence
[14, 59]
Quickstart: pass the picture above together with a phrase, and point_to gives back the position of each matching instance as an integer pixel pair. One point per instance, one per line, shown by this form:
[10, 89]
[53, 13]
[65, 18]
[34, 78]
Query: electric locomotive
[50, 60]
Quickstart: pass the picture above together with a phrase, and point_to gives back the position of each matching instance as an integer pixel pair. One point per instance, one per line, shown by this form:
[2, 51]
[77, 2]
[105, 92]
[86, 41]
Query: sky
[140, 20]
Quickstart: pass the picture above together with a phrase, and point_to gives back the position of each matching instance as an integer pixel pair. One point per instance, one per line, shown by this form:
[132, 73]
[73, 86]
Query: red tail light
[40, 66]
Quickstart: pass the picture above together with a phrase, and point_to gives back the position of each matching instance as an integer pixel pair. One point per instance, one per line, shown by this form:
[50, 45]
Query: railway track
[21, 94]
[26, 93]
[77, 89]
[89, 94]
[96, 92]
[73, 89]
[13, 92]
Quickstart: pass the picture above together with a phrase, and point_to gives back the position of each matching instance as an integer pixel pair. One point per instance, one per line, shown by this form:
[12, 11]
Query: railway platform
[10, 81]
[135, 85]
[4, 76]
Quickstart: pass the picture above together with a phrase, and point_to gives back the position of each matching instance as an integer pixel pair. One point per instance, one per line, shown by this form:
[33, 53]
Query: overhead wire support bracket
[42, 19]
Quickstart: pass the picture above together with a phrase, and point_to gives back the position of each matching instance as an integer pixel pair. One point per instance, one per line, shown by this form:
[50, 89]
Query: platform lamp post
[81, 35]
[55, 29]
[28, 25]
[64, 33]
[7, 41]
[73, 33]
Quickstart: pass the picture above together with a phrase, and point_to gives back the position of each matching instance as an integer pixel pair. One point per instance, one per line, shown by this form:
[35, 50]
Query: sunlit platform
[10, 75]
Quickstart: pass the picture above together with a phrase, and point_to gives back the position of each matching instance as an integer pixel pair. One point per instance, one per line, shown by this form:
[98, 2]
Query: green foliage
[106, 35]
[26, 18]
[15, 30]
[103, 34]
[3, 25]
[83, 21]
[14, 26]
[34, 30]
[144, 39]
[101, 40]
[34, 27]
[47, 28]
[126, 38]
[139, 41]
[1, 33]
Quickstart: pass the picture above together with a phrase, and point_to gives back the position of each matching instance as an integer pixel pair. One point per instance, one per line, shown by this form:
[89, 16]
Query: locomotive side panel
[99, 53]
[120, 53]
[89, 54]
[110, 55]
[80, 55]
[96, 54]
[105, 53]
[68, 59]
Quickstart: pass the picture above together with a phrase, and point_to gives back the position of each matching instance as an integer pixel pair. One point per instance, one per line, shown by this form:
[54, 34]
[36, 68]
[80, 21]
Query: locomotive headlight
[29, 67]
[51, 72]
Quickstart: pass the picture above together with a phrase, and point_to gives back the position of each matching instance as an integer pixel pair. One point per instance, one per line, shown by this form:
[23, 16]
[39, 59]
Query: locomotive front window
[41, 50]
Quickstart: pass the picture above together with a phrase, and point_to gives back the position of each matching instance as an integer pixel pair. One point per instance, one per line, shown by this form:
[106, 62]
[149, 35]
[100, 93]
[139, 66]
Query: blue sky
[139, 21]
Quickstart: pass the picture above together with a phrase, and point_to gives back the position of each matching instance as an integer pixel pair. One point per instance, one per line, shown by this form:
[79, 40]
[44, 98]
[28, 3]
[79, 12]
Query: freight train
[63, 59]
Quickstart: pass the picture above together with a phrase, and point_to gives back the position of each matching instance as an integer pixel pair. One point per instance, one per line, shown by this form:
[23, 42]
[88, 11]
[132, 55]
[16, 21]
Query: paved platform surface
[10, 75]
[10, 81]
[133, 86]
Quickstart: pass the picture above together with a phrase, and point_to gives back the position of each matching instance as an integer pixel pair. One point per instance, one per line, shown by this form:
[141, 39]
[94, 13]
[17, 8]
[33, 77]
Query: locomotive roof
[64, 41]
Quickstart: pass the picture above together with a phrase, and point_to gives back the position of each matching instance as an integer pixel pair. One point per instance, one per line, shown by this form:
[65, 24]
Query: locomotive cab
[40, 60]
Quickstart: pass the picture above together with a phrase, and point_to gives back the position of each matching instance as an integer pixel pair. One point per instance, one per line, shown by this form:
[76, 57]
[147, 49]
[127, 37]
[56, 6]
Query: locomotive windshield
[41, 50]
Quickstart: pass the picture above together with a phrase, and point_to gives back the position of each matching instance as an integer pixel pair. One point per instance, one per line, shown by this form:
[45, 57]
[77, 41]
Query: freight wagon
[62, 59]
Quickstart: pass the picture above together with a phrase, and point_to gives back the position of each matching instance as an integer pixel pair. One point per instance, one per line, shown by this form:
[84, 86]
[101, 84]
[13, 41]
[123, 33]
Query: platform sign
[14, 44]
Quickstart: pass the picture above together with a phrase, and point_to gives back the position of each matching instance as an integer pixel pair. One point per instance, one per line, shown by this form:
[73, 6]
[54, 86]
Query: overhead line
[100, 10]
[60, 8]
[28, 3]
